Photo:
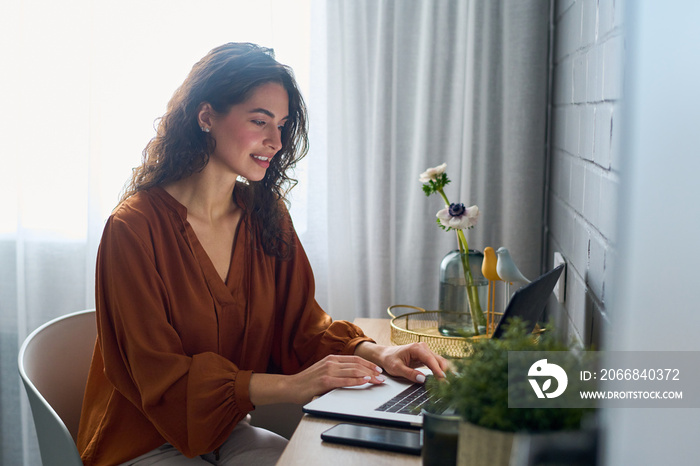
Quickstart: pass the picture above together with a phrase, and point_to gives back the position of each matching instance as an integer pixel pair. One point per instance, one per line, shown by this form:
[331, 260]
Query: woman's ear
[205, 115]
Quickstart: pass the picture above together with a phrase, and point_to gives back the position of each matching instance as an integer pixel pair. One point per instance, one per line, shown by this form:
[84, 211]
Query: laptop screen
[529, 302]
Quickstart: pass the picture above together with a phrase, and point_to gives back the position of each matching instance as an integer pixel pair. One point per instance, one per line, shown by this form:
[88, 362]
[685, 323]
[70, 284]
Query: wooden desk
[306, 448]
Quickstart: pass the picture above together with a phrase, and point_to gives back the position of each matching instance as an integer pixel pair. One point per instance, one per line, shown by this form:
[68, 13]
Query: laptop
[397, 401]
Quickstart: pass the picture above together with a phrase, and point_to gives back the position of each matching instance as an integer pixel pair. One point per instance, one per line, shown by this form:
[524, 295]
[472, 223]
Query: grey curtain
[412, 84]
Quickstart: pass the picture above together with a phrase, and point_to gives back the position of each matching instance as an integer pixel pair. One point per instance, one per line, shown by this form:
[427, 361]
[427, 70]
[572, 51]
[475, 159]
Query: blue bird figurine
[506, 268]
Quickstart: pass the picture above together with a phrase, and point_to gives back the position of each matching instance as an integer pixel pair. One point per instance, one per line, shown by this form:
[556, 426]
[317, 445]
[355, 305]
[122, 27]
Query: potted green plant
[477, 388]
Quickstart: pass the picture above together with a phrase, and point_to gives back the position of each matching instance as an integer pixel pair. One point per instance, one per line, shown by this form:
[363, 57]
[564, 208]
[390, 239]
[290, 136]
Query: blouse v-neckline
[225, 290]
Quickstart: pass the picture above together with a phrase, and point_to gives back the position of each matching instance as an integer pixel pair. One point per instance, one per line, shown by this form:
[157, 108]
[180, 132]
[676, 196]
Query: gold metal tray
[421, 325]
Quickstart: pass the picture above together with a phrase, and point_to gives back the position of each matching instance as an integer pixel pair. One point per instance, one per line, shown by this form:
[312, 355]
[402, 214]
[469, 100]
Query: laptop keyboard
[408, 401]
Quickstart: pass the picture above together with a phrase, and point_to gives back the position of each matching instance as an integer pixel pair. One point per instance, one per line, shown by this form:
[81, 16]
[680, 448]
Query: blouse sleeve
[305, 333]
[193, 401]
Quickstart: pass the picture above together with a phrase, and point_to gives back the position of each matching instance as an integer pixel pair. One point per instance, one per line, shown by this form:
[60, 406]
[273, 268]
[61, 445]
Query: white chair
[53, 363]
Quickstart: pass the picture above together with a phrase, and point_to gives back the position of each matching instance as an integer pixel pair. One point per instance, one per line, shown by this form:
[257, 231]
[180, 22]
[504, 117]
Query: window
[83, 83]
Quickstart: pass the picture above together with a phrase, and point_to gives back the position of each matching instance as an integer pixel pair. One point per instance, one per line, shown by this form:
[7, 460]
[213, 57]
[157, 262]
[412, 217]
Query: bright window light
[86, 80]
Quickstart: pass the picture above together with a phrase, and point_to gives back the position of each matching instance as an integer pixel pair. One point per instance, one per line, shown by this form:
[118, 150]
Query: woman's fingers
[338, 382]
[349, 366]
[436, 363]
[348, 377]
[348, 359]
[402, 361]
[337, 371]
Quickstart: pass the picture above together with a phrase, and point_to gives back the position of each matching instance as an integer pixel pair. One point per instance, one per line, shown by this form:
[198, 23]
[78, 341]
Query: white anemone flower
[458, 217]
[432, 173]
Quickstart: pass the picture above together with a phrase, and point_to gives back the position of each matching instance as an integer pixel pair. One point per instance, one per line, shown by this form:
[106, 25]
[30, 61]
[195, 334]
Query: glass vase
[455, 318]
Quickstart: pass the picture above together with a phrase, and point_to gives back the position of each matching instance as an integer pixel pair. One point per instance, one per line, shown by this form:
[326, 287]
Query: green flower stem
[472, 292]
[444, 197]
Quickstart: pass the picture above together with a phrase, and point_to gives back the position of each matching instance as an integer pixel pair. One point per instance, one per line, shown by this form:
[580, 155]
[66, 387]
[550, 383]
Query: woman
[205, 298]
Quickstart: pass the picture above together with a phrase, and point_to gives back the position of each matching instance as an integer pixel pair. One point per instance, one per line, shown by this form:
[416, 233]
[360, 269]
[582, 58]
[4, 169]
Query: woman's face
[250, 134]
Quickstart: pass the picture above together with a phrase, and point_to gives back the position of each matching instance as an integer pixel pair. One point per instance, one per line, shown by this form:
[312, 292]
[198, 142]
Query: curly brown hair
[227, 76]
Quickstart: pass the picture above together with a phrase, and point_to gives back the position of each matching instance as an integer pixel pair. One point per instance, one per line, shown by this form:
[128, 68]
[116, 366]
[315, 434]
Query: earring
[205, 129]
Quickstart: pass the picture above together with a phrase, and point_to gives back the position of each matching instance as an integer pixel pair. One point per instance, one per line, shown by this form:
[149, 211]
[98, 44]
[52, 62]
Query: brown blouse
[177, 346]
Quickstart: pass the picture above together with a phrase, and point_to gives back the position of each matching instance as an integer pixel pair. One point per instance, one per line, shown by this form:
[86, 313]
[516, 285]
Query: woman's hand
[401, 361]
[331, 372]
[347, 371]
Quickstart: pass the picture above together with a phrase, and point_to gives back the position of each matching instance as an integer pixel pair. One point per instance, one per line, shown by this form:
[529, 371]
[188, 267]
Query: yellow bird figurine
[488, 269]
[488, 266]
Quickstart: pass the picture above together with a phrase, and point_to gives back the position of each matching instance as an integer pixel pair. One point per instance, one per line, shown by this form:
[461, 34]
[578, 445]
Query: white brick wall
[584, 174]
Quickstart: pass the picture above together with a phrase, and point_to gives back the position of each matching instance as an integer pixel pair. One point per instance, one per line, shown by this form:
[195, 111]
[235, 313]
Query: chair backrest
[53, 363]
